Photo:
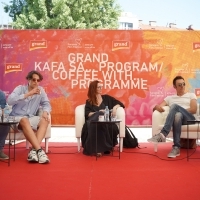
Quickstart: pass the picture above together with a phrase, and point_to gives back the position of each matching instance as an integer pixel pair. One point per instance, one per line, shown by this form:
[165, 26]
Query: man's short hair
[177, 78]
[30, 75]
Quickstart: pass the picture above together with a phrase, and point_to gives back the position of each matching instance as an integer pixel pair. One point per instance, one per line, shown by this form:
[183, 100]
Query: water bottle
[6, 113]
[107, 114]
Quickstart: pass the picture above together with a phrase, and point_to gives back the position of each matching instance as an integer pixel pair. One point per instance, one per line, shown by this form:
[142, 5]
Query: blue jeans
[177, 117]
[3, 134]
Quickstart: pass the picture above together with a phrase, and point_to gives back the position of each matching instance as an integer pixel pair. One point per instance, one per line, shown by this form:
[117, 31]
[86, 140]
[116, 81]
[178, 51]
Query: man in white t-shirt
[183, 106]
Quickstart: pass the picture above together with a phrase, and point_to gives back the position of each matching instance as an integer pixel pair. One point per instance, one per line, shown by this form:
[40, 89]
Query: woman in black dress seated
[95, 106]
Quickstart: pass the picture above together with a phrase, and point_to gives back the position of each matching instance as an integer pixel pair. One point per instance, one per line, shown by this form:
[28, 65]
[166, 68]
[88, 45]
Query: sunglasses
[35, 79]
[181, 84]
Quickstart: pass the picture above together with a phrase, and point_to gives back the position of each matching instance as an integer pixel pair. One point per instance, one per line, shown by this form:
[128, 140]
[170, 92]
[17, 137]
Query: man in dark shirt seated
[3, 129]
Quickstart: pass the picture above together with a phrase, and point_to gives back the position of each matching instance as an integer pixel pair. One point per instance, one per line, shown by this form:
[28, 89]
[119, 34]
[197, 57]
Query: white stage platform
[67, 134]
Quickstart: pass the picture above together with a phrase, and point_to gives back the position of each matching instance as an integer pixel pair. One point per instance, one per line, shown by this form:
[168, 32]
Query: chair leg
[46, 145]
[27, 144]
[155, 147]
[79, 144]
[121, 144]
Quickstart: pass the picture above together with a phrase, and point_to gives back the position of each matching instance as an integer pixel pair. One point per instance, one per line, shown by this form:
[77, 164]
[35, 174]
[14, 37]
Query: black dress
[104, 131]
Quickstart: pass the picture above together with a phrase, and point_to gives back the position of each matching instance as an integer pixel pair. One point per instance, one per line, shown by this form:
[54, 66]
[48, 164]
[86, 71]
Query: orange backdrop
[137, 67]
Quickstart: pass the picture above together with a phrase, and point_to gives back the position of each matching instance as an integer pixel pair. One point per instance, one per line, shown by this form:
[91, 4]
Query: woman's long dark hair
[92, 91]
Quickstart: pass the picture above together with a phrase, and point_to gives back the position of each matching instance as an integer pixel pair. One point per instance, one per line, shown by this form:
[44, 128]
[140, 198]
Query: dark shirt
[107, 101]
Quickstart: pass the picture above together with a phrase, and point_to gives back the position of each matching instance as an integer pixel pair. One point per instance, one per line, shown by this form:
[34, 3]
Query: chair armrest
[121, 115]
[159, 118]
[79, 119]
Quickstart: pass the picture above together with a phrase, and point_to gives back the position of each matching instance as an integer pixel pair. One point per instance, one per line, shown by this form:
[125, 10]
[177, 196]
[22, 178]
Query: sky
[181, 12]
[4, 18]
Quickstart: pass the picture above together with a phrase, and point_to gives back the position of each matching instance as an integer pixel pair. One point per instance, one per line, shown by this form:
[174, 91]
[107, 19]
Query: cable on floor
[164, 158]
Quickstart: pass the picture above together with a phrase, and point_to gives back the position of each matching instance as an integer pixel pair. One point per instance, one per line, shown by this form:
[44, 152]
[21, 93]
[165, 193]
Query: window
[125, 25]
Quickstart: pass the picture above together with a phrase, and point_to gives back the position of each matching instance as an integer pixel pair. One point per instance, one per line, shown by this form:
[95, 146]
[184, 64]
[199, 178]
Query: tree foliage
[15, 8]
[64, 14]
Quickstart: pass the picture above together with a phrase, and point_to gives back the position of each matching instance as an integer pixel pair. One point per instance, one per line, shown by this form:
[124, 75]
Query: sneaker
[174, 152]
[32, 156]
[157, 138]
[42, 157]
[3, 156]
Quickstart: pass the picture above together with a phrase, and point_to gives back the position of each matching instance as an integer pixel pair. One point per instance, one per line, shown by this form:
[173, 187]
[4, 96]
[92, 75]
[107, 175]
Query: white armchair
[158, 121]
[20, 135]
[80, 120]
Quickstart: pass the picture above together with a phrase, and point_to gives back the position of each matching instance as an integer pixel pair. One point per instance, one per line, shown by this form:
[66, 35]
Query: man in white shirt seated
[183, 106]
[25, 101]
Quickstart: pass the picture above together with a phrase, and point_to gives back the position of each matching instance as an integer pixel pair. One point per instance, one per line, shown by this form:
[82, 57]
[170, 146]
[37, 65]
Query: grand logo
[197, 92]
[37, 44]
[196, 46]
[13, 67]
[120, 44]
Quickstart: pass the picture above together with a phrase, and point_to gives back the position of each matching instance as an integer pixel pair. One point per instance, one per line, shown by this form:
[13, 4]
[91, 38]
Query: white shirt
[27, 106]
[183, 101]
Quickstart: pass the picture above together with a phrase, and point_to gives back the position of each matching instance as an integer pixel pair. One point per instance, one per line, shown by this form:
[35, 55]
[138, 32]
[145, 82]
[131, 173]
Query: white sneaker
[157, 138]
[42, 157]
[32, 156]
[174, 152]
